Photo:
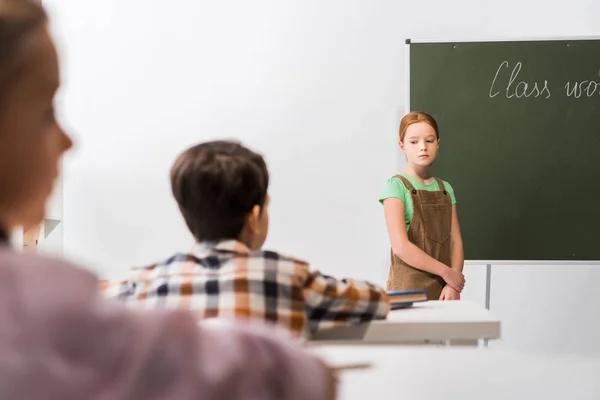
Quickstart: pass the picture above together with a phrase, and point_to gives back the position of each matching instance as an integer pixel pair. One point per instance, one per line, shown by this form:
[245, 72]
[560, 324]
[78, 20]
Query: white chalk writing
[507, 83]
[582, 88]
[521, 88]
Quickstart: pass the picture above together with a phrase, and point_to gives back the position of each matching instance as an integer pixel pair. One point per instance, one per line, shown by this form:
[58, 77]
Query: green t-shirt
[394, 187]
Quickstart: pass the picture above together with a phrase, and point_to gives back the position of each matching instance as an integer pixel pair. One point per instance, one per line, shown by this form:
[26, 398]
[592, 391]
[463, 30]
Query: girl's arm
[456, 256]
[411, 254]
[456, 243]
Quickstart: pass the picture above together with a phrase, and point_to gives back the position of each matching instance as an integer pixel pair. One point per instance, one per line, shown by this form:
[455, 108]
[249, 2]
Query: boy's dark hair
[216, 185]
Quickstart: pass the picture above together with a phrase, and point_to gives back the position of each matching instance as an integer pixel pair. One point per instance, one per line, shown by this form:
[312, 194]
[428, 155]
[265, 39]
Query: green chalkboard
[520, 143]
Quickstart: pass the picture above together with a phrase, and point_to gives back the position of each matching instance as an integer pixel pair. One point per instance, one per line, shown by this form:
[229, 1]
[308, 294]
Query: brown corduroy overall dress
[429, 230]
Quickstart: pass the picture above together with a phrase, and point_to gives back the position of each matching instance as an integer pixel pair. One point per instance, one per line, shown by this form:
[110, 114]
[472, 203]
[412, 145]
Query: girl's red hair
[415, 117]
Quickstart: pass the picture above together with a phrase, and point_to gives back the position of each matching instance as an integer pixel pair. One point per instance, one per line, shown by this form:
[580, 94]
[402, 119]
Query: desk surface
[462, 374]
[431, 320]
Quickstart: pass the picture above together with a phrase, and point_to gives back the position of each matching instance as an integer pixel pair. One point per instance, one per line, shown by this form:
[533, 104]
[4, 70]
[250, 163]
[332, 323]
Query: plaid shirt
[227, 280]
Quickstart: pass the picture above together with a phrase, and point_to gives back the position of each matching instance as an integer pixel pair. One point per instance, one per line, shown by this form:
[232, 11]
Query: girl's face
[420, 144]
[31, 141]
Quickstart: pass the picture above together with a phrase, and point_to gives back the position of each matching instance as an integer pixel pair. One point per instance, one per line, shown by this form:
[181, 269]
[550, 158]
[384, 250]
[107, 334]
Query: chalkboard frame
[407, 104]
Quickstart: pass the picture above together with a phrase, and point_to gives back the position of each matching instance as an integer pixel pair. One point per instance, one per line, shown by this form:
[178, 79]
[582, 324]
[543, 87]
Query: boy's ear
[253, 219]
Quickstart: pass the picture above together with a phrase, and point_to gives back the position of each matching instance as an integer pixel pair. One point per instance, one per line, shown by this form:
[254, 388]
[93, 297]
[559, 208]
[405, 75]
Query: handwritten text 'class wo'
[510, 86]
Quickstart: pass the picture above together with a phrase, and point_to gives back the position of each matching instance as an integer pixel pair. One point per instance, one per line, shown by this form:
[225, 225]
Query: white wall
[52, 242]
[49, 243]
[316, 85]
[547, 308]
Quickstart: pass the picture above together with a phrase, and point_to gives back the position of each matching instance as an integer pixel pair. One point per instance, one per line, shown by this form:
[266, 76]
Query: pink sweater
[59, 340]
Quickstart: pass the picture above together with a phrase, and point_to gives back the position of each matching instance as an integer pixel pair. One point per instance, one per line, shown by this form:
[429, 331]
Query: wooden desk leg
[463, 343]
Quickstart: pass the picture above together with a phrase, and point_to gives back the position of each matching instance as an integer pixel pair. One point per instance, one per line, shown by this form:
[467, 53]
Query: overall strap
[406, 183]
[441, 185]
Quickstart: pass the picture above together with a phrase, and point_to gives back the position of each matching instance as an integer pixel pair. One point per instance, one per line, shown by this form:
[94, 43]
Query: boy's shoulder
[218, 260]
[277, 257]
[163, 265]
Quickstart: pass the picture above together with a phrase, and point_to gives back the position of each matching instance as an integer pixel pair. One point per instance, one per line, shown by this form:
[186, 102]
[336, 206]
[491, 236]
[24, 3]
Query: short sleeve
[450, 190]
[393, 187]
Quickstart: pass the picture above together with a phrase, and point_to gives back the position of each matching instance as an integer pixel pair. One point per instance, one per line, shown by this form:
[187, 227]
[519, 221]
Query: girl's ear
[401, 145]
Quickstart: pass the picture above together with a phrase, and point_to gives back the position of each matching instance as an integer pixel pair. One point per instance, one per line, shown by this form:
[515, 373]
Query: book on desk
[405, 298]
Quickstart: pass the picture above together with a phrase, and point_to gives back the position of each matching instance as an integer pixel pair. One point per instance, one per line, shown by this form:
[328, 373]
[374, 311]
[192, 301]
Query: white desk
[462, 374]
[432, 322]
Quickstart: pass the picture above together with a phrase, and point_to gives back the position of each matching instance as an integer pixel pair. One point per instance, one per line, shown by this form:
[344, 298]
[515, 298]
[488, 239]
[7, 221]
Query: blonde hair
[415, 117]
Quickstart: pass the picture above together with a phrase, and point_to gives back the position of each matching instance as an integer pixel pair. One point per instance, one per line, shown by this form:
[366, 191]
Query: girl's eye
[413, 142]
[430, 141]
